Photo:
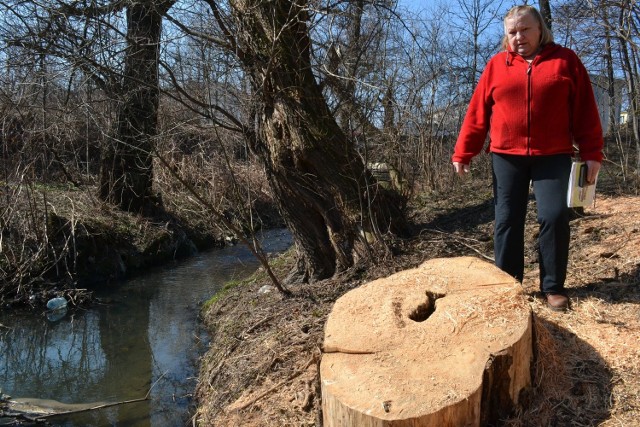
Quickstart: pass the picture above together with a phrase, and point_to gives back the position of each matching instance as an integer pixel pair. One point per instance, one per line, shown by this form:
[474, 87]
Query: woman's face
[523, 33]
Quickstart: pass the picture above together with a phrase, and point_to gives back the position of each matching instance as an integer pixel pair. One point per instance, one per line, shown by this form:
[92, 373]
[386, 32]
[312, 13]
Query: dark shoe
[557, 302]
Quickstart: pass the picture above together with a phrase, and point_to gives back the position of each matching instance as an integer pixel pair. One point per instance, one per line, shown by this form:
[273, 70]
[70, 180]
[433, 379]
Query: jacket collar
[544, 52]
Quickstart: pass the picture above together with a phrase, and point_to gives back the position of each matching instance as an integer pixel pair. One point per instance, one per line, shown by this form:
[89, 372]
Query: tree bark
[545, 11]
[629, 68]
[326, 195]
[126, 175]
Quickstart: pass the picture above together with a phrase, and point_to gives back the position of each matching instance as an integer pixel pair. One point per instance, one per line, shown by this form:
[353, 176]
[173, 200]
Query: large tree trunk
[545, 10]
[611, 83]
[126, 175]
[629, 68]
[327, 197]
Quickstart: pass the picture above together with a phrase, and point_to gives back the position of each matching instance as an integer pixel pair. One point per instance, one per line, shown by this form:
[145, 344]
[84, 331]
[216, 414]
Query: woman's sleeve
[475, 126]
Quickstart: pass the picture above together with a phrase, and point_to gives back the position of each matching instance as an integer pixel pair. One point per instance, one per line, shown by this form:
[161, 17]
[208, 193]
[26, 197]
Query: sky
[422, 7]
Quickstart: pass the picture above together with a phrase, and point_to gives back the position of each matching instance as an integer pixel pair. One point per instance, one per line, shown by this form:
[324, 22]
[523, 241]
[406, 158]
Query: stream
[147, 339]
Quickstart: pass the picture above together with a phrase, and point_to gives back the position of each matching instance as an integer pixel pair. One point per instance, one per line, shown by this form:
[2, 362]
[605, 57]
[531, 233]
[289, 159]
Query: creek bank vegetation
[58, 240]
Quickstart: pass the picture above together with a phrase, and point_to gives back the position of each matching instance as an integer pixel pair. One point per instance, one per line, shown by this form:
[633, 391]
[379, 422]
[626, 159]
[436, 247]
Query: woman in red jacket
[535, 100]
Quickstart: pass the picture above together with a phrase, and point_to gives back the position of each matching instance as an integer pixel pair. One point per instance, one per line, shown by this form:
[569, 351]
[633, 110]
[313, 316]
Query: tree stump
[445, 344]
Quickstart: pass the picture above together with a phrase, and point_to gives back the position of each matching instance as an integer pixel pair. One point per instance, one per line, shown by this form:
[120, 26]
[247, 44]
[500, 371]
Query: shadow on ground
[571, 380]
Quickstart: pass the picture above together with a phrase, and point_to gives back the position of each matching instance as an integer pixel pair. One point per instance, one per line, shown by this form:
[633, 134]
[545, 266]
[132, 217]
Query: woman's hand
[461, 169]
[592, 171]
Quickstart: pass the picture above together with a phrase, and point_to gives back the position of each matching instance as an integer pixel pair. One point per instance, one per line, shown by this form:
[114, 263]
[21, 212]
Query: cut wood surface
[445, 344]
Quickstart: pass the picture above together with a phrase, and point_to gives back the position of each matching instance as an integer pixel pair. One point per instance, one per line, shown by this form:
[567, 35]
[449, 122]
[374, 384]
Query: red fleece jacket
[534, 109]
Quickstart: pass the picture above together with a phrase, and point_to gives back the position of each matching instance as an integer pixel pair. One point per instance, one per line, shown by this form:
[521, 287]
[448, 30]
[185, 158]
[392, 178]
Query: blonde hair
[545, 34]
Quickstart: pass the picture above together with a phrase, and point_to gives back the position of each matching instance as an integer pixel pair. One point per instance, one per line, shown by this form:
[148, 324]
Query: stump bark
[445, 344]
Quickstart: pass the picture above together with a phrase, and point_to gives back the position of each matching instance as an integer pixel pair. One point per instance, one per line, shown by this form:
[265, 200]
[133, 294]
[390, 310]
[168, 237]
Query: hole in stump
[426, 309]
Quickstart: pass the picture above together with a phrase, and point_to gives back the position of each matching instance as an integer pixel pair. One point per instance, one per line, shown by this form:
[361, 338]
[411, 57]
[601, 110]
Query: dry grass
[262, 367]
[588, 369]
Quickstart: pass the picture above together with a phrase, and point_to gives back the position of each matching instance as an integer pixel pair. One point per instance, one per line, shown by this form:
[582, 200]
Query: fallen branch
[277, 386]
[459, 240]
[488, 258]
[93, 408]
[260, 323]
[89, 407]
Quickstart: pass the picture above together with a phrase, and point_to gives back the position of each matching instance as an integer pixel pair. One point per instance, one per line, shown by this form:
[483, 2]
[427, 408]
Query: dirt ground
[262, 366]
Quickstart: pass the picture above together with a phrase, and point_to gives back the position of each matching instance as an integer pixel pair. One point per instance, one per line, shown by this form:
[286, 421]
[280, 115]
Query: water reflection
[147, 339]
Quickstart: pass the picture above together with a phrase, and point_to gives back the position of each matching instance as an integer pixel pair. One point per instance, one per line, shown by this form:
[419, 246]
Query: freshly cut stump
[444, 344]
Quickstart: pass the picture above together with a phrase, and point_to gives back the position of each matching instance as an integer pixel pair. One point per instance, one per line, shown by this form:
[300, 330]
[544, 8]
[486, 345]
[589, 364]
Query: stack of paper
[580, 194]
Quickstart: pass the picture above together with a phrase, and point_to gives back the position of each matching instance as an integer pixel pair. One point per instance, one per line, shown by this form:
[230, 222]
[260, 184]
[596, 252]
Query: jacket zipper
[529, 109]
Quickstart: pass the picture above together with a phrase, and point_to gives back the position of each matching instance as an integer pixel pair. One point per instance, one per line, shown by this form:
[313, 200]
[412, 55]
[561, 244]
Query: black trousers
[550, 178]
